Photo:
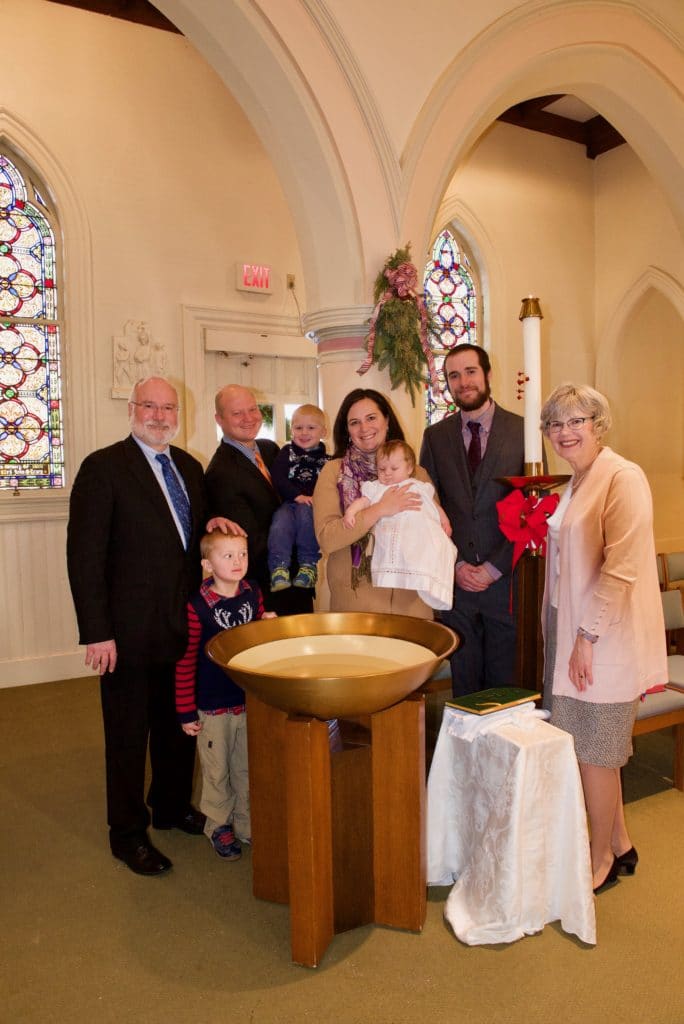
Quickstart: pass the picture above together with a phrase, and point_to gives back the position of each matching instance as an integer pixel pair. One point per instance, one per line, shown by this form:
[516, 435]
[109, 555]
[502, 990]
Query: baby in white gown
[412, 549]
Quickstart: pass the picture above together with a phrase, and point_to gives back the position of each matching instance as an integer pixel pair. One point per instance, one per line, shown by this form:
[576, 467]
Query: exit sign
[253, 277]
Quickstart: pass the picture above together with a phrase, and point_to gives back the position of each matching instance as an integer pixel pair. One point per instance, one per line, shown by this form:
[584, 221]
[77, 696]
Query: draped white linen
[506, 821]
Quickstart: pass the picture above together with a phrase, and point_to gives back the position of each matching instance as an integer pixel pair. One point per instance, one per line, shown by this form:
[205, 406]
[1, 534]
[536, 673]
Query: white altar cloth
[506, 821]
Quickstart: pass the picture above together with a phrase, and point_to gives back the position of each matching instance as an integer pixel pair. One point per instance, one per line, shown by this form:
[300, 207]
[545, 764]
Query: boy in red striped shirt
[209, 704]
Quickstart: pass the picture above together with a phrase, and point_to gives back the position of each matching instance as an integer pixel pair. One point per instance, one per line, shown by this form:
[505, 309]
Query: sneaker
[306, 577]
[224, 842]
[280, 579]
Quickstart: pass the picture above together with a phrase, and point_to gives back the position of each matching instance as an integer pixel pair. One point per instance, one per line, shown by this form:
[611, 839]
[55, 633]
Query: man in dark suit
[465, 455]
[238, 483]
[133, 558]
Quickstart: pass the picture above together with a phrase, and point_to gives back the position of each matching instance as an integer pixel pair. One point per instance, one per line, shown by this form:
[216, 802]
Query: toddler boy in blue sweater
[294, 472]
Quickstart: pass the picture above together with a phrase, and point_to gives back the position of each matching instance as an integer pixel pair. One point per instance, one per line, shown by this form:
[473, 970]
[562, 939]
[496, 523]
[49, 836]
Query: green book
[486, 701]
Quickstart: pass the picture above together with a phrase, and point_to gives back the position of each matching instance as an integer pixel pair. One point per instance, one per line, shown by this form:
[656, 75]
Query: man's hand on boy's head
[225, 526]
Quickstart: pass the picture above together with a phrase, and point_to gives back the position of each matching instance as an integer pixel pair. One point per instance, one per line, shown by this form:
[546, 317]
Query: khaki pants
[222, 748]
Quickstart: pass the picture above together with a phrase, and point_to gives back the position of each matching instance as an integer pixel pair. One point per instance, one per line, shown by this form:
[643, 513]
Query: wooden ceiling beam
[597, 135]
[601, 136]
[548, 124]
[138, 11]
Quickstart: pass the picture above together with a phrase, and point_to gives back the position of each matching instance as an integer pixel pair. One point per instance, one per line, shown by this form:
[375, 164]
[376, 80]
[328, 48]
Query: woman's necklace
[579, 476]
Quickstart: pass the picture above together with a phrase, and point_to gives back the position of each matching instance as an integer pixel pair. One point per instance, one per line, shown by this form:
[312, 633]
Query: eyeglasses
[153, 407]
[576, 423]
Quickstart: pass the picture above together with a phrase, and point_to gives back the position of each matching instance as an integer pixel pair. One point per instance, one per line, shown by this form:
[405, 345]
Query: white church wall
[176, 189]
[532, 205]
[634, 230]
[176, 186]
[640, 287]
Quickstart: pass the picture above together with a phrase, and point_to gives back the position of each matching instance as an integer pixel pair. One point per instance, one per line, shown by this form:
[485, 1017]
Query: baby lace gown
[411, 550]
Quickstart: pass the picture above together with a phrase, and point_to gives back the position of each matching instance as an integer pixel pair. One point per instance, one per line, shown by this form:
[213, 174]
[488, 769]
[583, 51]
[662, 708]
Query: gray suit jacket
[470, 503]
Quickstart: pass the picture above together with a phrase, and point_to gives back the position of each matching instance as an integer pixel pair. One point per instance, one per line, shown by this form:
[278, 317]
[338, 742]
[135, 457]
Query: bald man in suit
[239, 485]
[484, 612]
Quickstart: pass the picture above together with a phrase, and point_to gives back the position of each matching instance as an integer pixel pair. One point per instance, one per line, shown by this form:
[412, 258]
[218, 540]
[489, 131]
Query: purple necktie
[475, 447]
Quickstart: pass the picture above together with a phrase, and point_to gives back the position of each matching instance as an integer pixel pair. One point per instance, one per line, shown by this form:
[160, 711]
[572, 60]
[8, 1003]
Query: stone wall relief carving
[135, 354]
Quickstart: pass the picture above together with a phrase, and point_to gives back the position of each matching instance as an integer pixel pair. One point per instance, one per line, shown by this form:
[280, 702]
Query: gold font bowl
[333, 664]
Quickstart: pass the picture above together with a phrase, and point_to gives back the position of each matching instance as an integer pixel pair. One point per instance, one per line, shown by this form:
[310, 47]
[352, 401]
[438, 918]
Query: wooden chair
[673, 612]
[674, 570]
[666, 710]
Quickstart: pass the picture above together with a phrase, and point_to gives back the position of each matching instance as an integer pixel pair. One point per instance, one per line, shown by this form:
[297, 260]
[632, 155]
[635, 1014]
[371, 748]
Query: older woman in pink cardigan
[602, 615]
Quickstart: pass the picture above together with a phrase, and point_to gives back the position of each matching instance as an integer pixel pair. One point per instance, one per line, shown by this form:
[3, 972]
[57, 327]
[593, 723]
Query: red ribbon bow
[523, 520]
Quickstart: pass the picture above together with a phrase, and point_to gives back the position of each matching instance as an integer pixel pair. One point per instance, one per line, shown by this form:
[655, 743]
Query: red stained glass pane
[31, 436]
[451, 297]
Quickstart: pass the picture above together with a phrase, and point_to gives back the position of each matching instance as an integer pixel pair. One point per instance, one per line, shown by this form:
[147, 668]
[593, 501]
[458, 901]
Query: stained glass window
[452, 300]
[31, 441]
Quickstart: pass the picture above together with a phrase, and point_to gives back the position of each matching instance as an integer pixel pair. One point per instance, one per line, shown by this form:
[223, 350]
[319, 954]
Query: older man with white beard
[137, 512]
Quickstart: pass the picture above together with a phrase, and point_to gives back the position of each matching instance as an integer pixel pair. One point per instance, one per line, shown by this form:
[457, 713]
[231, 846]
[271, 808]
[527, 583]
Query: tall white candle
[531, 316]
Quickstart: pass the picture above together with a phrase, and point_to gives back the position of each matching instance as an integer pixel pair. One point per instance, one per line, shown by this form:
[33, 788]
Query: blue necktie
[178, 496]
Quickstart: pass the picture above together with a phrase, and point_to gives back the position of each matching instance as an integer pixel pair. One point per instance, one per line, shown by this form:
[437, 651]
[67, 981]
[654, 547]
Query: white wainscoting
[38, 635]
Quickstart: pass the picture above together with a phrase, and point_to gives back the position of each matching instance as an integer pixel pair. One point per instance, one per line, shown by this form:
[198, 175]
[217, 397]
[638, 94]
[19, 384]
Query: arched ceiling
[352, 197]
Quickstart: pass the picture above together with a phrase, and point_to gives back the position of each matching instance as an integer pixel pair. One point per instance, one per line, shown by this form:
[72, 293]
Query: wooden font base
[340, 836]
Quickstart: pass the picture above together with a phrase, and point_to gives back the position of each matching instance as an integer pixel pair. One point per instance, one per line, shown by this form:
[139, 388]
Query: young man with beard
[466, 455]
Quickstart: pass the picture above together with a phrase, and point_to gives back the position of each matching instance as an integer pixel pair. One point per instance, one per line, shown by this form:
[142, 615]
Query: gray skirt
[602, 733]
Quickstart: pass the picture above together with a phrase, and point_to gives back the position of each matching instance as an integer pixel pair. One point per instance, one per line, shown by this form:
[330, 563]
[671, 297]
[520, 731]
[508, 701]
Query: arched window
[31, 436]
[451, 298]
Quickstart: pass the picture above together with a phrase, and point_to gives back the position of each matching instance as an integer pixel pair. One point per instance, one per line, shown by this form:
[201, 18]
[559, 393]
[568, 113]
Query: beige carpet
[84, 940]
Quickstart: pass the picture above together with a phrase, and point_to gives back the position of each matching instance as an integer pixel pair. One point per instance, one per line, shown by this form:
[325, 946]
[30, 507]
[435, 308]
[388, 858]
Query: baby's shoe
[306, 577]
[280, 579]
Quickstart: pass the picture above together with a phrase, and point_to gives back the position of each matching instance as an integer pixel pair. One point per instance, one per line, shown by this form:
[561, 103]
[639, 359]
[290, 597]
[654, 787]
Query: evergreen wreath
[398, 335]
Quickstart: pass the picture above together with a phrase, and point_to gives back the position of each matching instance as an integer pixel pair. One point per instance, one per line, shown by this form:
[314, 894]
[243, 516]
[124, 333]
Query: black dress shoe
[192, 822]
[610, 879]
[144, 860]
[627, 862]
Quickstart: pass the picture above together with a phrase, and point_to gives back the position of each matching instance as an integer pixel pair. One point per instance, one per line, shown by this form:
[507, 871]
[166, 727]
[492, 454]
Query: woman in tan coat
[602, 616]
[365, 420]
